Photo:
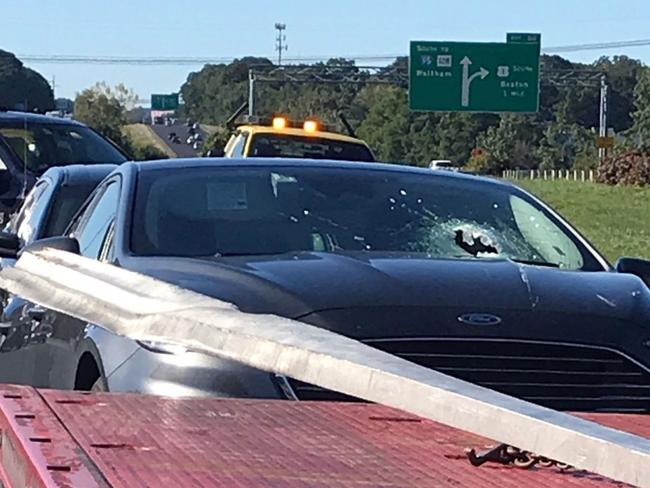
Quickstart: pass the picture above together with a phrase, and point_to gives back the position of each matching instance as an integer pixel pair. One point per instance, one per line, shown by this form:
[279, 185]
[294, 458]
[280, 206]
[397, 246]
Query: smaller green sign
[518, 38]
[164, 102]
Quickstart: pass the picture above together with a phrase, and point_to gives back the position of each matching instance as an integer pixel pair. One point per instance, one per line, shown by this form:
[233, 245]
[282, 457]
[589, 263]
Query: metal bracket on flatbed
[505, 454]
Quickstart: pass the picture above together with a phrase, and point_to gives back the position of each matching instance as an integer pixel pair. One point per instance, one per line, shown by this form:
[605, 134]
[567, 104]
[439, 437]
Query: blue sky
[218, 28]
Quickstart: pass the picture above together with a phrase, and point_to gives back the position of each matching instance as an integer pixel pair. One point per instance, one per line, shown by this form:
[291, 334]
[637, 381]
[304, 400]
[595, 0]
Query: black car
[470, 276]
[32, 143]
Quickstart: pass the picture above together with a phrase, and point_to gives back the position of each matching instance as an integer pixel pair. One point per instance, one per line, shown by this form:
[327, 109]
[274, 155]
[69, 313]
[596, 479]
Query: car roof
[294, 131]
[79, 174]
[12, 117]
[312, 163]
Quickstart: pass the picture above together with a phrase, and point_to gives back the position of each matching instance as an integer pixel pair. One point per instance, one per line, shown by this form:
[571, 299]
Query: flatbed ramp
[73, 439]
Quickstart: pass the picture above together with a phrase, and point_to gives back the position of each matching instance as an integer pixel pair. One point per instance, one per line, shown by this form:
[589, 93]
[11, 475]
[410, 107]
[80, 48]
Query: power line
[186, 61]
[79, 59]
[197, 61]
[596, 46]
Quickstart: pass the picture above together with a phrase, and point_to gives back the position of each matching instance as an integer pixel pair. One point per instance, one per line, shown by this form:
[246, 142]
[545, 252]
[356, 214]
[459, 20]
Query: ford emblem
[479, 319]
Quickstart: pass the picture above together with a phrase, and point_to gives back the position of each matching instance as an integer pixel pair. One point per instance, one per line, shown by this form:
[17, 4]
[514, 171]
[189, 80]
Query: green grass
[615, 219]
[142, 135]
[209, 129]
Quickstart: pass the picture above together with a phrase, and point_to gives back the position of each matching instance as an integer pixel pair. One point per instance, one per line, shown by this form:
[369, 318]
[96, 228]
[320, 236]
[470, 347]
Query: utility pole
[602, 152]
[251, 92]
[280, 41]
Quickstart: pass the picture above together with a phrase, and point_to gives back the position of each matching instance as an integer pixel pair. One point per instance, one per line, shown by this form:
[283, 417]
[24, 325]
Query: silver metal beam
[147, 309]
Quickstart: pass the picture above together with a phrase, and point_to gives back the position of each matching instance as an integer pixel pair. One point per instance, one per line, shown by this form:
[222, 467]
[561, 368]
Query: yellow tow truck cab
[280, 138]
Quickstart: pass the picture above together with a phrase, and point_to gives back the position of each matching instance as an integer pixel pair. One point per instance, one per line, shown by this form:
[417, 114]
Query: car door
[59, 355]
[20, 320]
[235, 147]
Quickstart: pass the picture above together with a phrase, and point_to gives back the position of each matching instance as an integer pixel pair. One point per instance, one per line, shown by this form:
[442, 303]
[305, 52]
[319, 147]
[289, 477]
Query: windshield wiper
[534, 263]
[235, 254]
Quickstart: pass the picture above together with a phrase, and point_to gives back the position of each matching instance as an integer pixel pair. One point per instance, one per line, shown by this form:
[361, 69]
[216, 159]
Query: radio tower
[280, 41]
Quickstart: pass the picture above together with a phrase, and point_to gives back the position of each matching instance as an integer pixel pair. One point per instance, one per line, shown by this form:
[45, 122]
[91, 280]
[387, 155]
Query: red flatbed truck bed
[73, 439]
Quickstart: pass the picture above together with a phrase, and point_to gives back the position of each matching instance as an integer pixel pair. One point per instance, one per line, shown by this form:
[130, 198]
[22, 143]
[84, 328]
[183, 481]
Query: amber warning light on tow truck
[310, 126]
[279, 122]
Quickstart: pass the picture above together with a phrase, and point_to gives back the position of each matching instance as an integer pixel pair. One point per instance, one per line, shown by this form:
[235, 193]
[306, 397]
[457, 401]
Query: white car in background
[443, 164]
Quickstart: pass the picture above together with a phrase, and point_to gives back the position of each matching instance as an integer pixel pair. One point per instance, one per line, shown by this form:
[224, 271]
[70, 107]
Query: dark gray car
[46, 212]
[465, 275]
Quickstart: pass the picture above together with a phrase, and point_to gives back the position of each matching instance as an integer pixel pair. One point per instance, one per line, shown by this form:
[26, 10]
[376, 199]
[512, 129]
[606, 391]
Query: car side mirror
[62, 243]
[9, 245]
[635, 266]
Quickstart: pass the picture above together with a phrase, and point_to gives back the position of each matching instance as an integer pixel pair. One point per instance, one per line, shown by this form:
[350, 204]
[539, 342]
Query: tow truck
[279, 136]
[57, 439]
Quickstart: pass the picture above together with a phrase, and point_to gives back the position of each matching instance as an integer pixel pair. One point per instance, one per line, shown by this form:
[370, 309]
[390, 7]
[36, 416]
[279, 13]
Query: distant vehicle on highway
[280, 138]
[443, 164]
[469, 276]
[30, 144]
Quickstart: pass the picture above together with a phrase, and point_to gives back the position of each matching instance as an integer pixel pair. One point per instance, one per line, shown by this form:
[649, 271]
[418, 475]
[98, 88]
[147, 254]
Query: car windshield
[41, 146]
[260, 210]
[291, 146]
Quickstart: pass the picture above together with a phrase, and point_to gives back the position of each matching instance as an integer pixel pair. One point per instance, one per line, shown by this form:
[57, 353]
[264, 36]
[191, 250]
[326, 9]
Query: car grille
[558, 376]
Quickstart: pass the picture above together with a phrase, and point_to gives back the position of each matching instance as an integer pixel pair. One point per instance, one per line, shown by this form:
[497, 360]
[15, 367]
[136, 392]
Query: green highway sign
[524, 38]
[475, 76]
[164, 102]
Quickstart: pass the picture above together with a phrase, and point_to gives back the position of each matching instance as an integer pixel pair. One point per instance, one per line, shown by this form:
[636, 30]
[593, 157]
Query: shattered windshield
[246, 211]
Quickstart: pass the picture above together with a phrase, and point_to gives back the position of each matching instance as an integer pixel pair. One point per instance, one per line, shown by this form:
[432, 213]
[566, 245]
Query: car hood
[294, 285]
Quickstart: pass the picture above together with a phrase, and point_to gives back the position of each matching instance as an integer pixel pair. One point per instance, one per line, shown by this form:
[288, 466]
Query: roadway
[182, 150]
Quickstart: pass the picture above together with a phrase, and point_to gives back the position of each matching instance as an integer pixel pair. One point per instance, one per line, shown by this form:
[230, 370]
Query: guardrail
[550, 174]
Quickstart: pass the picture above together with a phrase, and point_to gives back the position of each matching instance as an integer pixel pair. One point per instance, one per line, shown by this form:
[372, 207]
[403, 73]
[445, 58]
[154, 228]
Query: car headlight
[162, 347]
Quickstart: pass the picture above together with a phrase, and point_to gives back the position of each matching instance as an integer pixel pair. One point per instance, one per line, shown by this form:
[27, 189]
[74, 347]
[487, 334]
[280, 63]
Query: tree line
[561, 135]
[22, 88]
[106, 109]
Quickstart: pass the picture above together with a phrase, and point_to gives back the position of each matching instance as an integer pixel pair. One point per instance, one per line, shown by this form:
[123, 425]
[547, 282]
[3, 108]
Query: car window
[31, 215]
[67, 202]
[240, 144]
[227, 150]
[94, 224]
[289, 146]
[25, 209]
[41, 146]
